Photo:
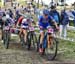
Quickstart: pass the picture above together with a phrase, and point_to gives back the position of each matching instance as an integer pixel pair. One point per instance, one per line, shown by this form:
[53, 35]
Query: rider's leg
[49, 39]
[20, 31]
[41, 38]
[41, 41]
[25, 34]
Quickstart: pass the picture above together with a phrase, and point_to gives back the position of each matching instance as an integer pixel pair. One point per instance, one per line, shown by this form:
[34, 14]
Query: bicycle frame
[47, 32]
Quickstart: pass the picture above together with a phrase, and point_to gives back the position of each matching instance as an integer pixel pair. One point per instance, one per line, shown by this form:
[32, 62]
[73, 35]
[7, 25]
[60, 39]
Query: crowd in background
[63, 19]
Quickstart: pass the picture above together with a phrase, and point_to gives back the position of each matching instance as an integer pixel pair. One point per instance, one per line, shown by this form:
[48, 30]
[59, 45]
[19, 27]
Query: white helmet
[24, 20]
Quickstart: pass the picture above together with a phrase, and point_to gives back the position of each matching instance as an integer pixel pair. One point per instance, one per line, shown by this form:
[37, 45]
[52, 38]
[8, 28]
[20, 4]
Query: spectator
[73, 12]
[64, 22]
[1, 15]
[55, 14]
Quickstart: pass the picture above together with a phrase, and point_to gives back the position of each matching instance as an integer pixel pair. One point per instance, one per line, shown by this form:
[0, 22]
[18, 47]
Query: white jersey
[27, 21]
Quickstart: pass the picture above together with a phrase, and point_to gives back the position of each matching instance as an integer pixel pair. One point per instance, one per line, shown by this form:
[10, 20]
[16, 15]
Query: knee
[42, 34]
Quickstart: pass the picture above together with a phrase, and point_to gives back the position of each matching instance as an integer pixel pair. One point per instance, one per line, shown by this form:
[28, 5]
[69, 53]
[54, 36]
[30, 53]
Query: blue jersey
[45, 22]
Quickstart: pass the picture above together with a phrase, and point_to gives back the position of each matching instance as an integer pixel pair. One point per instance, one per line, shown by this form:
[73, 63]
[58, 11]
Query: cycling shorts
[43, 26]
[24, 26]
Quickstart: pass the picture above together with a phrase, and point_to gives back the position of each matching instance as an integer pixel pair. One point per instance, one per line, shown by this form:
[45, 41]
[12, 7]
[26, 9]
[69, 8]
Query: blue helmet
[45, 12]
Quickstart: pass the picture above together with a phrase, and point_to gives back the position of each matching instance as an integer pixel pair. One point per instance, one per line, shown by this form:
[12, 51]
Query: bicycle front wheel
[6, 39]
[52, 51]
[32, 40]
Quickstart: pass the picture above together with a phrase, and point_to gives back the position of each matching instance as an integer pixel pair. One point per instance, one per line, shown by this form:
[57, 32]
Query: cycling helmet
[45, 12]
[24, 20]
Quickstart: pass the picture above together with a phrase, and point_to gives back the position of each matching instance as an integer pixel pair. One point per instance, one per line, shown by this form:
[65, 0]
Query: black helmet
[52, 5]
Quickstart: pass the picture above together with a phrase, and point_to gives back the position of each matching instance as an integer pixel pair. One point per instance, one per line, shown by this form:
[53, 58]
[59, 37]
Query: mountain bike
[6, 36]
[22, 40]
[52, 51]
[32, 39]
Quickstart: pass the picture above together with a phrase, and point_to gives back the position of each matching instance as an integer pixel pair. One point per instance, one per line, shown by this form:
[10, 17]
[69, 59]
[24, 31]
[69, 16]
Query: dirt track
[16, 54]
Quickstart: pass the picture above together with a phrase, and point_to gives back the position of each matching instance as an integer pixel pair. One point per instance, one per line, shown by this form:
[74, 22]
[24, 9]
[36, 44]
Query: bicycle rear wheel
[52, 51]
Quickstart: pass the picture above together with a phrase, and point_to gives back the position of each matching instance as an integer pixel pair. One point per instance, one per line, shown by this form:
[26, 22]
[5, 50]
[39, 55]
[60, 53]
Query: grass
[68, 49]
[71, 34]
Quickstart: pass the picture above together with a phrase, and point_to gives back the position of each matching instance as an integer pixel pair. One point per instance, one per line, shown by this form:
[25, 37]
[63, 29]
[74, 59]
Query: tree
[74, 5]
[62, 0]
[38, 4]
[11, 2]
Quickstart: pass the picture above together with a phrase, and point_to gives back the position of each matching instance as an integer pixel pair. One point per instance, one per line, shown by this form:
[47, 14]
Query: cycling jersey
[26, 22]
[7, 21]
[44, 23]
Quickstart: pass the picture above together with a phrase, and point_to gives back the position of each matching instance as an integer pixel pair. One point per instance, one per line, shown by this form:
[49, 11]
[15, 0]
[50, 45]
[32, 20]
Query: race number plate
[6, 28]
[31, 29]
[50, 30]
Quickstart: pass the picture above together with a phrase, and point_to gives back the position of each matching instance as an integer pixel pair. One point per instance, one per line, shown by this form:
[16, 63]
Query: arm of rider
[17, 24]
[56, 25]
[34, 22]
[54, 22]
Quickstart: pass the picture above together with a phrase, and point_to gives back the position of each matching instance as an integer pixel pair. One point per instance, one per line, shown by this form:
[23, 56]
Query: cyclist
[26, 22]
[44, 22]
[63, 24]
[1, 15]
[1, 22]
[73, 12]
[9, 21]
